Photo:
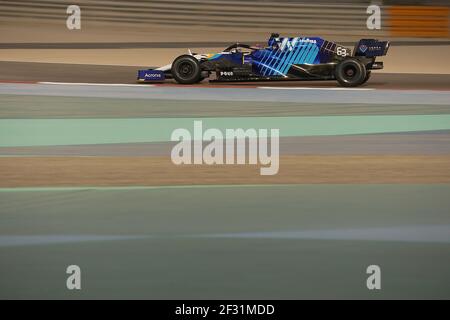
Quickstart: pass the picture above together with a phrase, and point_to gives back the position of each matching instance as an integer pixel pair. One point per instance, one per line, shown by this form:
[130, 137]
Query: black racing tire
[350, 72]
[186, 69]
[367, 77]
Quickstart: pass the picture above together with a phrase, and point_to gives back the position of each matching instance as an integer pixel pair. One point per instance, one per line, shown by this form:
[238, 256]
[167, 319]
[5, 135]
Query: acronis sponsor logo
[151, 75]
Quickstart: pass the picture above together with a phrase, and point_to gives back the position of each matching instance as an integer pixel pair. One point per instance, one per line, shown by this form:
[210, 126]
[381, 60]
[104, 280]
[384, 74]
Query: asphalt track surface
[221, 241]
[239, 242]
[29, 71]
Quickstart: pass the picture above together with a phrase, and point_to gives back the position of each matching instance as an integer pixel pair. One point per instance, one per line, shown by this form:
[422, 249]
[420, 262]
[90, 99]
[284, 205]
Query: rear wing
[371, 48]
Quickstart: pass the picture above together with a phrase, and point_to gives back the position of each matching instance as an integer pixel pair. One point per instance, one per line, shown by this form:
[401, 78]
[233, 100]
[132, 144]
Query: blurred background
[202, 20]
[160, 28]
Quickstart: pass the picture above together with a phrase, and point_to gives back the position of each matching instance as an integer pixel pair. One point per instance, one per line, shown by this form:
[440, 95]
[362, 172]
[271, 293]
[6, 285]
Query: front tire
[186, 70]
[350, 72]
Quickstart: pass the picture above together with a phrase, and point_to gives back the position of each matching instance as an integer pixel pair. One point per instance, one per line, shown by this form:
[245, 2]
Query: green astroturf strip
[47, 132]
[57, 107]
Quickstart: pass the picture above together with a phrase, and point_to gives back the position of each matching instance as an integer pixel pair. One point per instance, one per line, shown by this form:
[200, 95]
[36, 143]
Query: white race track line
[152, 85]
[96, 84]
[413, 233]
[312, 88]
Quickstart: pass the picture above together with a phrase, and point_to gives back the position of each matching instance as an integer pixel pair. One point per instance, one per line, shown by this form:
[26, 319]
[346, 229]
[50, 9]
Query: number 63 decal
[341, 51]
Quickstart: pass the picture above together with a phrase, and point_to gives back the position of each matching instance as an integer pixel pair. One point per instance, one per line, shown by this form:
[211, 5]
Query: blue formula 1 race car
[282, 59]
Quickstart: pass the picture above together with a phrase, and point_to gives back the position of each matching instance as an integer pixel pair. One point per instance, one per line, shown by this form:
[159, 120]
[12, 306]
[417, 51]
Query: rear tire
[367, 77]
[186, 70]
[350, 73]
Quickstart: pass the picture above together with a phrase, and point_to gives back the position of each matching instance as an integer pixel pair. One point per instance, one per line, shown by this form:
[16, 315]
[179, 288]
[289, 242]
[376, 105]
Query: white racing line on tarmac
[415, 233]
[313, 88]
[152, 85]
[27, 240]
[229, 93]
[96, 84]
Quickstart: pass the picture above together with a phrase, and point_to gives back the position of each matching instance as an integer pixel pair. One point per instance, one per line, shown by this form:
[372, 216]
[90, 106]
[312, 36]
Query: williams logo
[289, 44]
